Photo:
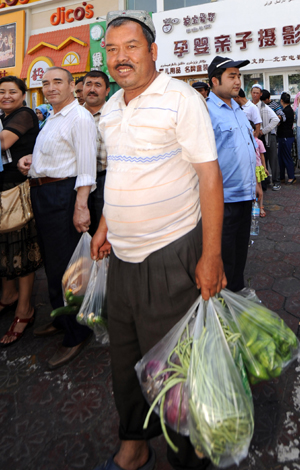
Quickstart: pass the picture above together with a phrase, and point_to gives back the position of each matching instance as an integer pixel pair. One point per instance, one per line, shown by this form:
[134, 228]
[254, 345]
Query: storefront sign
[13, 3]
[36, 72]
[62, 15]
[187, 36]
[97, 47]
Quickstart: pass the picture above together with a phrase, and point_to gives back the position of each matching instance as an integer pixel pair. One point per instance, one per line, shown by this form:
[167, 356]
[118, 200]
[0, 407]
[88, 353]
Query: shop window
[173, 4]
[148, 5]
[251, 79]
[276, 84]
[72, 58]
[294, 83]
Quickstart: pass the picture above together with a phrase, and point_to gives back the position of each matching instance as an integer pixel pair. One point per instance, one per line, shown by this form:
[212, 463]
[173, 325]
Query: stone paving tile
[278, 269]
[287, 286]
[66, 419]
[288, 247]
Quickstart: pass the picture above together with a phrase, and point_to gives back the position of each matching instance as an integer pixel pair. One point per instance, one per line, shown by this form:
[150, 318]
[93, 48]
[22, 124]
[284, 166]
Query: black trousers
[53, 207]
[235, 240]
[96, 203]
[145, 300]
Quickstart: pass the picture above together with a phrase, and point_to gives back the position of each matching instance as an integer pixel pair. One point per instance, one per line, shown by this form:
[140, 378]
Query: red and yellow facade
[68, 48]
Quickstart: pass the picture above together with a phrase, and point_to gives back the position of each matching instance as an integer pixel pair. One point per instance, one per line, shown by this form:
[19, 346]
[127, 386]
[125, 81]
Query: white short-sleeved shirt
[252, 112]
[152, 190]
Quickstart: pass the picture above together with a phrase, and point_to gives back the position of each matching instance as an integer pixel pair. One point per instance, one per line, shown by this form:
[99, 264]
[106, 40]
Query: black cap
[225, 63]
[198, 85]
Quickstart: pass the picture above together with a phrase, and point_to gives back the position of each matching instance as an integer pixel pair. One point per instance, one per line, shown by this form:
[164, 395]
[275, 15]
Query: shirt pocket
[228, 133]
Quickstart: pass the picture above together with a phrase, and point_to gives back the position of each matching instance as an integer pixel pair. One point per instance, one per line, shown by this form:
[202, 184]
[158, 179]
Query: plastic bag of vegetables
[77, 274]
[221, 420]
[162, 374]
[267, 344]
[93, 311]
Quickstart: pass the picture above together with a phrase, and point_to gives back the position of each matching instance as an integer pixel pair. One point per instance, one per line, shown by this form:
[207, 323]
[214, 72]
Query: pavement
[66, 419]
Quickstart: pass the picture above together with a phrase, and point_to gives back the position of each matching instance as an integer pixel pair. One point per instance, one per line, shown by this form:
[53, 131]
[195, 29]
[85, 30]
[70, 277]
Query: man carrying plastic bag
[163, 216]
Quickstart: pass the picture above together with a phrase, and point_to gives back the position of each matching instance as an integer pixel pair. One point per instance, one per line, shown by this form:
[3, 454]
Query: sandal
[262, 213]
[8, 307]
[18, 335]
[111, 465]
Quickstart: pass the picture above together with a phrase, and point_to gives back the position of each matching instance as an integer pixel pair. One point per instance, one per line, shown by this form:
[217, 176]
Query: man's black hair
[147, 33]
[217, 74]
[78, 80]
[286, 97]
[242, 93]
[265, 95]
[97, 73]
[11, 78]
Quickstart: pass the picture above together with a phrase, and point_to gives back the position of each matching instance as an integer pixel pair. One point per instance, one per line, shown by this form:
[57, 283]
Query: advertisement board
[8, 45]
[265, 32]
[97, 47]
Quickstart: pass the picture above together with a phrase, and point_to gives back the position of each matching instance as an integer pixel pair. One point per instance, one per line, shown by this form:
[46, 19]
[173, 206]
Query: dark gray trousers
[145, 300]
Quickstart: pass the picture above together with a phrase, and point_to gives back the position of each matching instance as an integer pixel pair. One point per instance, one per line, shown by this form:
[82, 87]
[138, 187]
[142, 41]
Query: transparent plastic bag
[162, 374]
[249, 294]
[221, 422]
[93, 311]
[77, 274]
[266, 343]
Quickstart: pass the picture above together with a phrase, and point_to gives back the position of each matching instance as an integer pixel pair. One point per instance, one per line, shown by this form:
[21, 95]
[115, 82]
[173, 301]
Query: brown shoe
[64, 355]
[47, 330]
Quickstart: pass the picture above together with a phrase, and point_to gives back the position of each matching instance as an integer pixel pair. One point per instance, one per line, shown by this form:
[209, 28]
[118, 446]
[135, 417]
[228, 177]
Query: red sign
[12, 3]
[3, 73]
[62, 15]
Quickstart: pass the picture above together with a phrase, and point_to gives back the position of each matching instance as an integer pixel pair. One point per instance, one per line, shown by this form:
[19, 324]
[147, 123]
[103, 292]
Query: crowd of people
[163, 176]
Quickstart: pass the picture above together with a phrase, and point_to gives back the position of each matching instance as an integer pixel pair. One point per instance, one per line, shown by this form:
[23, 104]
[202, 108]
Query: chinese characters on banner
[290, 35]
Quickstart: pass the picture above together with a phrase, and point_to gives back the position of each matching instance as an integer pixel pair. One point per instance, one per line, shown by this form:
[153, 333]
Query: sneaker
[276, 187]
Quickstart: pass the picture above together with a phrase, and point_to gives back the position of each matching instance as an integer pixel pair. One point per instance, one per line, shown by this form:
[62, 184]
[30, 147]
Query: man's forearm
[82, 196]
[212, 208]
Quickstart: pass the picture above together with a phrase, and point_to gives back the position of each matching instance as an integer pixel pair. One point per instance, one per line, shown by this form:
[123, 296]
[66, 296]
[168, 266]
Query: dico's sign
[62, 15]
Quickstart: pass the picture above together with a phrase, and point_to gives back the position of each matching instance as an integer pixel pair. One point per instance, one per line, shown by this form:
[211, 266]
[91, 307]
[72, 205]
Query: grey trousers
[271, 157]
[145, 300]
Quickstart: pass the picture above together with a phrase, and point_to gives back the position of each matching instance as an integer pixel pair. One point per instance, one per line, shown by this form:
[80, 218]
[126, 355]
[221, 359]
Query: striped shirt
[152, 190]
[66, 147]
[101, 152]
[277, 108]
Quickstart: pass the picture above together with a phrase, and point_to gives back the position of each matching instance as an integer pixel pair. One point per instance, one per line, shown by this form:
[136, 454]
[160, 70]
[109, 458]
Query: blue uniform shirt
[236, 149]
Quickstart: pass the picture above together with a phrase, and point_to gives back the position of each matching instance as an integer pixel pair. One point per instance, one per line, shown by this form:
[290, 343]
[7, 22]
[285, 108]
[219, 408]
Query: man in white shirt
[95, 90]
[250, 110]
[161, 157]
[63, 171]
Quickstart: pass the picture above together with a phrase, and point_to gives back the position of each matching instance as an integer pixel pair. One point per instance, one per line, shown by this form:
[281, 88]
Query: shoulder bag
[15, 208]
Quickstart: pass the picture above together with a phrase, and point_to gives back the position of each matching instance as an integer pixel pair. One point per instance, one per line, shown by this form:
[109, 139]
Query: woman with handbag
[19, 250]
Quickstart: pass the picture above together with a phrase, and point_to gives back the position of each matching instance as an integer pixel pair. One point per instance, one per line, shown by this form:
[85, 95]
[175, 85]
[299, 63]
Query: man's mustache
[92, 93]
[123, 65]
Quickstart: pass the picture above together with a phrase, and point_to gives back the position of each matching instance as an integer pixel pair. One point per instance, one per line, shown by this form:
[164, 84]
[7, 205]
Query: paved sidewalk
[66, 419]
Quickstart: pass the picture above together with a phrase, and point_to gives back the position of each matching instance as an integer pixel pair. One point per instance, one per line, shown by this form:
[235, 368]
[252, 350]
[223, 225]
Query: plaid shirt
[101, 152]
[277, 109]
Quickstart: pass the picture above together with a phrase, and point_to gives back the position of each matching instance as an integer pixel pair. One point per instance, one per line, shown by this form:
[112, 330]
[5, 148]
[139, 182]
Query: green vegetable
[68, 310]
[73, 299]
[263, 337]
[222, 417]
